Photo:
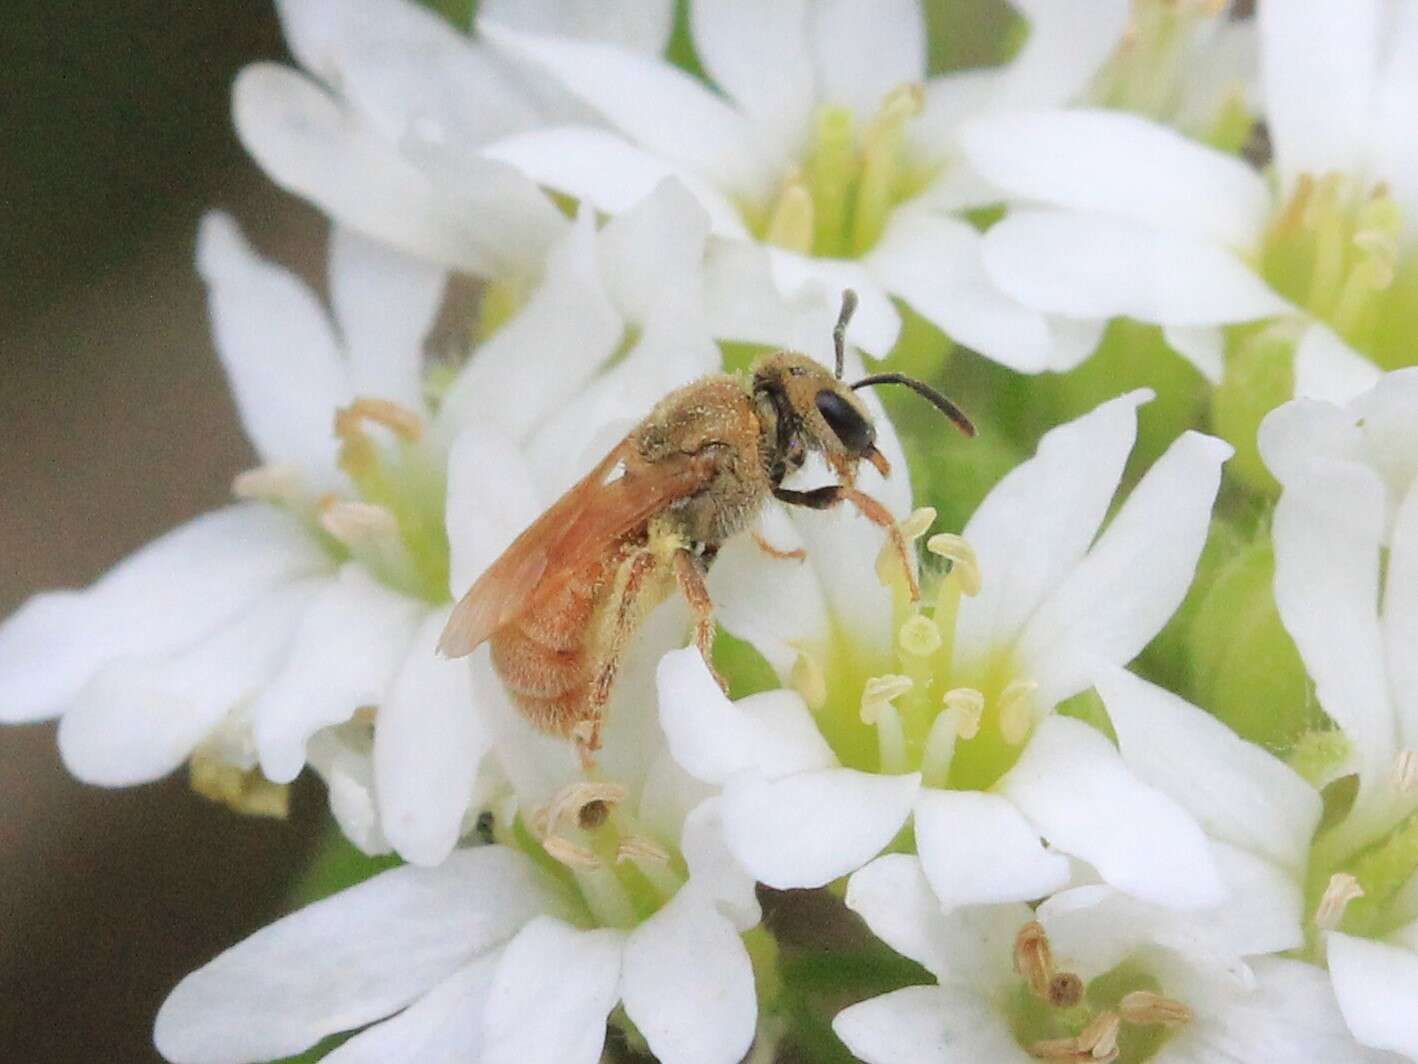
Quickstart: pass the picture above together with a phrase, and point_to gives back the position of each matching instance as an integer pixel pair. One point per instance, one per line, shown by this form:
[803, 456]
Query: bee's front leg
[690, 577]
[826, 497]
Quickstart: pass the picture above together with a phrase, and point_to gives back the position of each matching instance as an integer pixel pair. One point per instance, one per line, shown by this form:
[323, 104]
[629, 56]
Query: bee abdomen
[529, 667]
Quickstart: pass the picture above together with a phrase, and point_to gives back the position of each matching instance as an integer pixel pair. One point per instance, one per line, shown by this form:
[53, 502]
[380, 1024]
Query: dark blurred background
[114, 426]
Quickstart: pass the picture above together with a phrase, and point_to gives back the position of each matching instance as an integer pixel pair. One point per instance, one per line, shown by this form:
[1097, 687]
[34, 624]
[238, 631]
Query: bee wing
[578, 528]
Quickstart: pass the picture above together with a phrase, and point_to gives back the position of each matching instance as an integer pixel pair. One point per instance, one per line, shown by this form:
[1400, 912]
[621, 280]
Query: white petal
[643, 25]
[759, 55]
[1066, 46]
[934, 264]
[428, 744]
[777, 604]
[279, 354]
[1327, 531]
[771, 734]
[348, 646]
[1318, 100]
[895, 899]
[1203, 346]
[1134, 577]
[569, 322]
[1328, 369]
[401, 66]
[1073, 340]
[1395, 155]
[607, 171]
[1124, 167]
[1035, 524]
[340, 756]
[1075, 788]
[492, 497]
[165, 597]
[863, 51]
[742, 300]
[1376, 985]
[927, 1025]
[807, 829]
[688, 984]
[442, 1027]
[652, 103]
[713, 872]
[384, 302]
[549, 1000]
[876, 325]
[307, 975]
[312, 147]
[654, 252]
[1097, 266]
[1235, 789]
[1400, 619]
[140, 718]
[976, 849]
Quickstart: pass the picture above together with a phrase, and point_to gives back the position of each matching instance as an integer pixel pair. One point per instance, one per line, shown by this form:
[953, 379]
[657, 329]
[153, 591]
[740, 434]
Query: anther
[357, 523]
[879, 692]
[571, 803]
[640, 848]
[1145, 1007]
[808, 680]
[1016, 711]
[269, 483]
[919, 636]
[1343, 888]
[1405, 772]
[398, 419]
[569, 853]
[1065, 990]
[1034, 958]
[964, 566]
[793, 220]
[968, 706]
[1100, 1037]
[912, 528]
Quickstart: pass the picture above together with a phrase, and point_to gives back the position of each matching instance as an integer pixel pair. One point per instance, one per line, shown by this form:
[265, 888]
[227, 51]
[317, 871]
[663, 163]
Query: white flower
[1091, 975]
[252, 636]
[1346, 583]
[1117, 216]
[950, 722]
[827, 144]
[383, 135]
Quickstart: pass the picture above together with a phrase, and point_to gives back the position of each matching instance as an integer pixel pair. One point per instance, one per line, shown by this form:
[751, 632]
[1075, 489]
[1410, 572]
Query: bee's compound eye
[855, 432]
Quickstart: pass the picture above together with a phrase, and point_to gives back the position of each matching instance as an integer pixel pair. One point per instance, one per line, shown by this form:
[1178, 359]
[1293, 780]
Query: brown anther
[1034, 958]
[570, 805]
[592, 815]
[1145, 1007]
[1065, 990]
[399, 420]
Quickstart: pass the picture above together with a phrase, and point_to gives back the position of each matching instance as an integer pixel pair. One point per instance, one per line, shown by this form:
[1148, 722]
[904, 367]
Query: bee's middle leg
[690, 577]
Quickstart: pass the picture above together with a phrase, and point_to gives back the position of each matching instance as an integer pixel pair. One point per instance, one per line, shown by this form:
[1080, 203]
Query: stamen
[919, 637]
[1016, 711]
[939, 751]
[966, 706]
[359, 524]
[1145, 1007]
[568, 804]
[1100, 1037]
[879, 692]
[1065, 990]
[641, 848]
[1343, 888]
[882, 149]
[398, 419]
[281, 484]
[912, 527]
[241, 790]
[808, 680]
[1034, 957]
[963, 564]
[569, 853]
[791, 225]
[1405, 772]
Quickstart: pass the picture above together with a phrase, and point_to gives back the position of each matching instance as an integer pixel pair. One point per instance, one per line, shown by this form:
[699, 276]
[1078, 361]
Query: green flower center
[837, 202]
[1335, 249]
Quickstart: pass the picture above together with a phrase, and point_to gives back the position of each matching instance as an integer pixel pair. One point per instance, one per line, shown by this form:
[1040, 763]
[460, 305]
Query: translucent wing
[591, 517]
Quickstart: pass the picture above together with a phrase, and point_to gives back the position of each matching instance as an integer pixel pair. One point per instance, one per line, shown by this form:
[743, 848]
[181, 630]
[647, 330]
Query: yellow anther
[880, 692]
[1145, 1007]
[357, 523]
[1342, 889]
[282, 484]
[898, 106]
[913, 527]
[400, 420]
[1016, 711]
[919, 636]
[241, 790]
[1405, 772]
[808, 680]
[964, 566]
[791, 225]
[968, 707]
[917, 524]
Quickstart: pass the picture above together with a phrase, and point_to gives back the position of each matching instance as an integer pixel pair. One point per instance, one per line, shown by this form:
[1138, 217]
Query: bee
[564, 600]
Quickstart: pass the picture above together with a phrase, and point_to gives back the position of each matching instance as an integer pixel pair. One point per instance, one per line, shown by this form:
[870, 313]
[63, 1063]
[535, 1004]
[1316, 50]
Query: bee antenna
[839, 331]
[935, 398]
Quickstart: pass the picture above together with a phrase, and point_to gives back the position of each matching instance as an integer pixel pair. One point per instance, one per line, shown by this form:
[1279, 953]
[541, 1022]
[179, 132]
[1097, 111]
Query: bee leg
[630, 582]
[777, 552]
[691, 586]
[826, 497]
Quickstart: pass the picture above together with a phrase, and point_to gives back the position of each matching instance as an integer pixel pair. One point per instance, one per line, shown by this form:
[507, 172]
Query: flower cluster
[1121, 765]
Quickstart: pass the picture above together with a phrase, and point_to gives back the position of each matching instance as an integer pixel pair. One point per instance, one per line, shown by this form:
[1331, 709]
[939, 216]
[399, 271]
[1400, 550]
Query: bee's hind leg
[690, 577]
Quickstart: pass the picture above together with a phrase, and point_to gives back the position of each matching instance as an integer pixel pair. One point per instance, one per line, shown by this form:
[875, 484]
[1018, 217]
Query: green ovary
[837, 202]
[1336, 250]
